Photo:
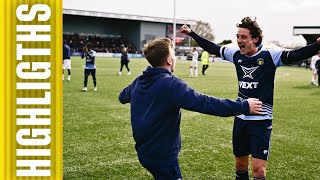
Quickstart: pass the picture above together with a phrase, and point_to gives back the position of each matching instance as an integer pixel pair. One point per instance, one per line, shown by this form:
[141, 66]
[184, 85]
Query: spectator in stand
[100, 42]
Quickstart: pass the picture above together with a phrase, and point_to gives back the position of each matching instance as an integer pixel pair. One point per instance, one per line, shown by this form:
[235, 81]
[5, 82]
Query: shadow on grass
[307, 87]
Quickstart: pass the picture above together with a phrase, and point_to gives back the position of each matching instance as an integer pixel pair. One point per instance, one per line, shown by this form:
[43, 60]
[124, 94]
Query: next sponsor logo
[248, 85]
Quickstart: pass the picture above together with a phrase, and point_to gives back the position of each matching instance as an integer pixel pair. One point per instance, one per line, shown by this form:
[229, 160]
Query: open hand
[255, 106]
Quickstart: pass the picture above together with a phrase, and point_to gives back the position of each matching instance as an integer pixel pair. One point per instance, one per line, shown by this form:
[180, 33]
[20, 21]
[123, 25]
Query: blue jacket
[66, 51]
[124, 57]
[156, 99]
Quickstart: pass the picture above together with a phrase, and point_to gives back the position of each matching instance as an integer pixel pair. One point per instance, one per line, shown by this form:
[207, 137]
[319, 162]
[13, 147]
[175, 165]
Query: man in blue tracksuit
[156, 98]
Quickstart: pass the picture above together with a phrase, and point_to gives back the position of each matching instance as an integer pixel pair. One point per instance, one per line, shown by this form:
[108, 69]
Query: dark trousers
[204, 68]
[87, 72]
[126, 64]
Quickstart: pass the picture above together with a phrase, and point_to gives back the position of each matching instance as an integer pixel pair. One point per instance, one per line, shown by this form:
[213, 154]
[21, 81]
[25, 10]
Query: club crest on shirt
[248, 71]
[240, 61]
[260, 61]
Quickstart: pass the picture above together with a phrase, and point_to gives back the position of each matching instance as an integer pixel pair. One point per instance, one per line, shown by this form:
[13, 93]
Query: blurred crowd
[100, 43]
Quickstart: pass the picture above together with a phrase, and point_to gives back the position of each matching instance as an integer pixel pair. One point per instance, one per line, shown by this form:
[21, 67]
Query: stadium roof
[298, 30]
[126, 16]
[310, 33]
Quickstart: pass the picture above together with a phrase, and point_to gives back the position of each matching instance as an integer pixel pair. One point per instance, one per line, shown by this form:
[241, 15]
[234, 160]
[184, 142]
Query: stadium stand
[99, 42]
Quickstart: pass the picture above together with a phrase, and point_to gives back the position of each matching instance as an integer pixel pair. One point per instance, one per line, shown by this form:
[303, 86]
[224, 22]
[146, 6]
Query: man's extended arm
[208, 46]
[185, 97]
[306, 52]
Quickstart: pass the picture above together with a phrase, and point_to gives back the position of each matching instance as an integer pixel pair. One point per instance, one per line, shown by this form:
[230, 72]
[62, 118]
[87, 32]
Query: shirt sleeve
[185, 97]
[227, 53]
[208, 46]
[305, 52]
[93, 53]
[125, 94]
[276, 57]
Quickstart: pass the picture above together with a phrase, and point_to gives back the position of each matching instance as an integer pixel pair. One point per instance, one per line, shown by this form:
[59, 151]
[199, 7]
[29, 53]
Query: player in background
[313, 68]
[255, 68]
[317, 66]
[66, 60]
[156, 98]
[194, 64]
[204, 61]
[90, 67]
[124, 61]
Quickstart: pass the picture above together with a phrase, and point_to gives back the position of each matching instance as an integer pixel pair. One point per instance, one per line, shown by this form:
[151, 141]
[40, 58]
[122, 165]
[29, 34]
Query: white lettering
[43, 101]
[33, 152]
[33, 29]
[33, 113]
[35, 67]
[33, 85]
[33, 141]
[33, 11]
[32, 51]
[248, 85]
[33, 164]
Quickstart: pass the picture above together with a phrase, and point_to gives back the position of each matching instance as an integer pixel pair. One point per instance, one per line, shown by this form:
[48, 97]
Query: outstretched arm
[125, 94]
[185, 97]
[209, 46]
[306, 52]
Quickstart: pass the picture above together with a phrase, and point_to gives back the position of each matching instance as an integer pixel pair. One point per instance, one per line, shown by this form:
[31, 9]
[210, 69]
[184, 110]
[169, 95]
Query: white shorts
[194, 64]
[314, 71]
[66, 64]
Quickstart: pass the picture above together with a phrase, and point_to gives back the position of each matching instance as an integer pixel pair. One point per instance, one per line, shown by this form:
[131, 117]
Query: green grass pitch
[97, 136]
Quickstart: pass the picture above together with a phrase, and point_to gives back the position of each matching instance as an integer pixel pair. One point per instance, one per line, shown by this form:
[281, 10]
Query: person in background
[204, 61]
[124, 61]
[313, 69]
[194, 64]
[317, 66]
[90, 67]
[66, 60]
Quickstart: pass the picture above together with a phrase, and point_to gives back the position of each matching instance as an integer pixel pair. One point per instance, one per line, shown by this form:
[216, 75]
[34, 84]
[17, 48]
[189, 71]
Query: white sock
[69, 77]
[196, 72]
[191, 71]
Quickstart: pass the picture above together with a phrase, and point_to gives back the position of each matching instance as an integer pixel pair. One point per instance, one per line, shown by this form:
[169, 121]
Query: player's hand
[185, 29]
[318, 40]
[255, 106]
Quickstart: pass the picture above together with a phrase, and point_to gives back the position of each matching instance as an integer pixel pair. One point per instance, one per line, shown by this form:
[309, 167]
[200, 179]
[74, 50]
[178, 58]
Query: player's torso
[66, 52]
[255, 76]
[90, 61]
[195, 56]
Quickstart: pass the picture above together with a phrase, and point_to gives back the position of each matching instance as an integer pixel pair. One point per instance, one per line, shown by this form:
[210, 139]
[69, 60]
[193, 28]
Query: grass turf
[97, 136]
